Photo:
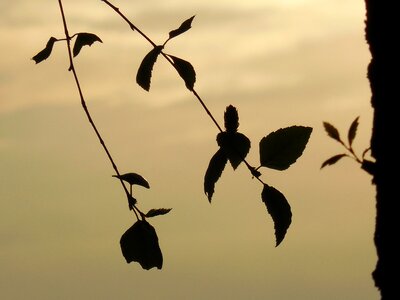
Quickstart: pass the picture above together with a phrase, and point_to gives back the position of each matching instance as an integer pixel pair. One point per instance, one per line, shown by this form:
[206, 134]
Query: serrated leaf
[157, 212]
[140, 243]
[185, 70]
[231, 119]
[143, 76]
[332, 131]
[214, 172]
[333, 160]
[84, 39]
[279, 209]
[281, 148]
[185, 26]
[236, 146]
[133, 178]
[45, 53]
[352, 131]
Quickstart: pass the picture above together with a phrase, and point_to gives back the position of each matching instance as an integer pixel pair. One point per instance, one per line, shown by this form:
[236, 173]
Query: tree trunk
[382, 37]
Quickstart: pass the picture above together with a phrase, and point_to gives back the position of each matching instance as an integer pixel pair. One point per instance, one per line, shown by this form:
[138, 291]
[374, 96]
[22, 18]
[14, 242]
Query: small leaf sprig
[278, 150]
[140, 242]
[366, 165]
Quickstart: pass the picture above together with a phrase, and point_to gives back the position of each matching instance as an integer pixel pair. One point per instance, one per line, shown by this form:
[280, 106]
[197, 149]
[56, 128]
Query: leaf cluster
[334, 134]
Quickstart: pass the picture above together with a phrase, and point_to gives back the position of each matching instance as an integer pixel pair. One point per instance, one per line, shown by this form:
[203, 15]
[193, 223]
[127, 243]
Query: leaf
[333, 160]
[157, 212]
[143, 76]
[332, 131]
[185, 26]
[140, 243]
[214, 172]
[185, 70]
[133, 178]
[45, 53]
[352, 131]
[279, 209]
[283, 147]
[231, 118]
[84, 39]
[235, 145]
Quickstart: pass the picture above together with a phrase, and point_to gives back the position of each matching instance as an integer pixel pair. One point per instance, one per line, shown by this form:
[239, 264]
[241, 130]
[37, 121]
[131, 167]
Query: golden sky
[281, 63]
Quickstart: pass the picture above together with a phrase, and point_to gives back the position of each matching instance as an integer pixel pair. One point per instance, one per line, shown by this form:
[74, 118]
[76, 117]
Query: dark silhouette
[381, 35]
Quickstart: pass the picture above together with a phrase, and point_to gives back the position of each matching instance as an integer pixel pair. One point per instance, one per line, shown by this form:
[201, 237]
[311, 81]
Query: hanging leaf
[333, 160]
[133, 178]
[84, 39]
[185, 70]
[45, 53]
[352, 131]
[279, 209]
[231, 118]
[214, 172]
[185, 26]
[140, 243]
[235, 145]
[143, 76]
[157, 212]
[332, 131]
[283, 147]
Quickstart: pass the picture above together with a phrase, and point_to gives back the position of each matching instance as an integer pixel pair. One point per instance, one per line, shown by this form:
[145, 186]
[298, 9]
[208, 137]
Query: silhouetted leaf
[84, 39]
[45, 53]
[333, 160]
[231, 118]
[140, 243]
[279, 209]
[352, 131]
[332, 131]
[143, 76]
[236, 146]
[157, 212]
[214, 171]
[185, 26]
[185, 70]
[283, 147]
[133, 178]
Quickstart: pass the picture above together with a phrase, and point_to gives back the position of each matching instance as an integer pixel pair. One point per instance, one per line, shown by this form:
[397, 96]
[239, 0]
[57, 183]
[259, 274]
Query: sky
[281, 63]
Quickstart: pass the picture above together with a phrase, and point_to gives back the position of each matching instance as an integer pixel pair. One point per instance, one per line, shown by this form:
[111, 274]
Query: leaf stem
[84, 106]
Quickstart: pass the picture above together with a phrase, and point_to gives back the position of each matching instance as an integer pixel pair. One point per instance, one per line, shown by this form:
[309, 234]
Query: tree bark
[382, 36]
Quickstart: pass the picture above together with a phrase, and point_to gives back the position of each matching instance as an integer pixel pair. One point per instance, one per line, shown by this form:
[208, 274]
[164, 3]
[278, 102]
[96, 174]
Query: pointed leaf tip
[279, 209]
[214, 172]
[157, 212]
[144, 73]
[333, 160]
[352, 131]
[133, 178]
[185, 26]
[185, 70]
[140, 244]
[45, 53]
[280, 149]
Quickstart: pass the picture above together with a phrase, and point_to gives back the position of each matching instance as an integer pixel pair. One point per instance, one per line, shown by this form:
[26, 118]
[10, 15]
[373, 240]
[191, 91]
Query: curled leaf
[185, 70]
[133, 178]
[45, 53]
[231, 118]
[332, 131]
[185, 26]
[235, 145]
[333, 160]
[283, 147]
[143, 76]
[352, 131]
[157, 212]
[279, 209]
[84, 39]
[214, 172]
[140, 243]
